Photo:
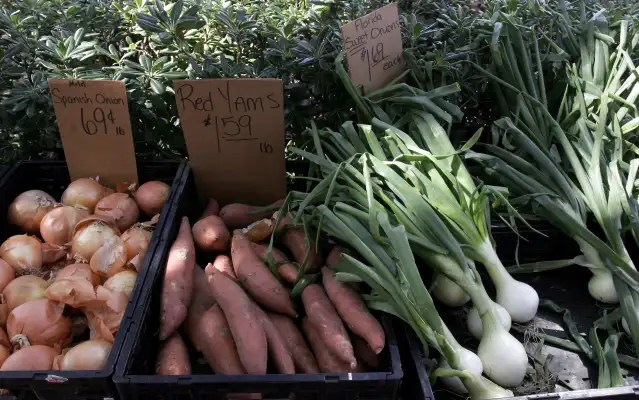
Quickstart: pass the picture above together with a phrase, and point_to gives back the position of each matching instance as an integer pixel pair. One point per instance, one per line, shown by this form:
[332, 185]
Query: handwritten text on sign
[234, 130]
[373, 47]
[93, 118]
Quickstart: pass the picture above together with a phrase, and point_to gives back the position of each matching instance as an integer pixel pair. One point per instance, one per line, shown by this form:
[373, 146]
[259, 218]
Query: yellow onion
[41, 322]
[121, 208]
[151, 196]
[7, 274]
[28, 209]
[74, 285]
[4, 339]
[109, 259]
[90, 234]
[57, 226]
[4, 354]
[136, 240]
[31, 358]
[84, 192]
[52, 253]
[89, 355]
[22, 289]
[23, 253]
[122, 282]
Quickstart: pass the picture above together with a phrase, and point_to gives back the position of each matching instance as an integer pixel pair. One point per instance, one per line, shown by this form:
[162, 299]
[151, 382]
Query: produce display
[67, 279]
[254, 310]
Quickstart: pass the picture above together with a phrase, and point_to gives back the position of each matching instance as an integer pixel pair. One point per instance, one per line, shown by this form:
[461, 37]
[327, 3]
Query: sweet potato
[257, 279]
[212, 208]
[237, 216]
[295, 240]
[277, 347]
[222, 263]
[302, 355]
[322, 315]
[245, 326]
[173, 358]
[286, 270]
[326, 360]
[202, 298]
[210, 234]
[351, 308]
[210, 334]
[364, 353]
[177, 289]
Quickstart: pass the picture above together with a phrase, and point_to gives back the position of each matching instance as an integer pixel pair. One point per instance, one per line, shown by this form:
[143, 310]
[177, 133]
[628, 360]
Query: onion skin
[28, 209]
[23, 289]
[85, 356]
[84, 192]
[109, 259]
[32, 358]
[42, 322]
[57, 226]
[78, 271]
[151, 196]
[23, 253]
[121, 207]
[4, 339]
[122, 282]
[74, 285]
[52, 253]
[136, 241]
[7, 274]
[90, 234]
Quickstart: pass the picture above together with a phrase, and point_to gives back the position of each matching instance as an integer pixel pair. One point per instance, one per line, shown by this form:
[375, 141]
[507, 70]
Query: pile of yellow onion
[66, 282]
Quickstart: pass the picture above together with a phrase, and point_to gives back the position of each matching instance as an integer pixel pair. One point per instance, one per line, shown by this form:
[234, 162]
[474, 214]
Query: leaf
[157, 87]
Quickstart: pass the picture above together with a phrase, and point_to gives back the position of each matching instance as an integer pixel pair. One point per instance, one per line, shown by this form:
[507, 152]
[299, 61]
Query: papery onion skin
[42, 322]
[121, 207]
[151, 196]
[122, 282]
[31, 358]
[109, 259]
[74, 285]
[85, 356]
[23, 253]
[7, 274]
[136, 240]
[4, 339]
[52, 253]
[57, 226]
[84, 192]
[90, 234]
[22, 289]
[78, 271]
[28, 209]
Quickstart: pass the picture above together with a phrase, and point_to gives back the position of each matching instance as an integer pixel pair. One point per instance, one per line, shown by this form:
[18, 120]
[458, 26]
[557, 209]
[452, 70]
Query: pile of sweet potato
[238, 312]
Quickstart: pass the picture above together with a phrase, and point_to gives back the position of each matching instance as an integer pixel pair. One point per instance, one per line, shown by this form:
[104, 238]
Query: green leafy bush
[148, 44]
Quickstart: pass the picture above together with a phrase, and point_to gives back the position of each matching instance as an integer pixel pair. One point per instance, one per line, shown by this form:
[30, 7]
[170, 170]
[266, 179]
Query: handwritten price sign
[373, 47]
[93, 118]
[234, 131]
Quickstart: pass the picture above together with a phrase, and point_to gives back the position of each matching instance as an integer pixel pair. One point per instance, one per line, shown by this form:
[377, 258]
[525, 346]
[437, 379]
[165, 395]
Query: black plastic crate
[566, 287]
[134, 373]
[53, 177]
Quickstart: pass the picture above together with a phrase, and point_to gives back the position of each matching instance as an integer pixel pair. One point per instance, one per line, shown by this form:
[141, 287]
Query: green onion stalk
[576, 163]
[446, 183]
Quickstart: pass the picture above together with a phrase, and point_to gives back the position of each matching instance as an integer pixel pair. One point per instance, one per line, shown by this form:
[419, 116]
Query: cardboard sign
[95, 127]
[234, 131]
[373, 48]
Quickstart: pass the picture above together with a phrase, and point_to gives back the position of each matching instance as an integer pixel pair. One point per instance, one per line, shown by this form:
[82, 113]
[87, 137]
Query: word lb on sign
[373, 48]
[234, 131]
[95, 127]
